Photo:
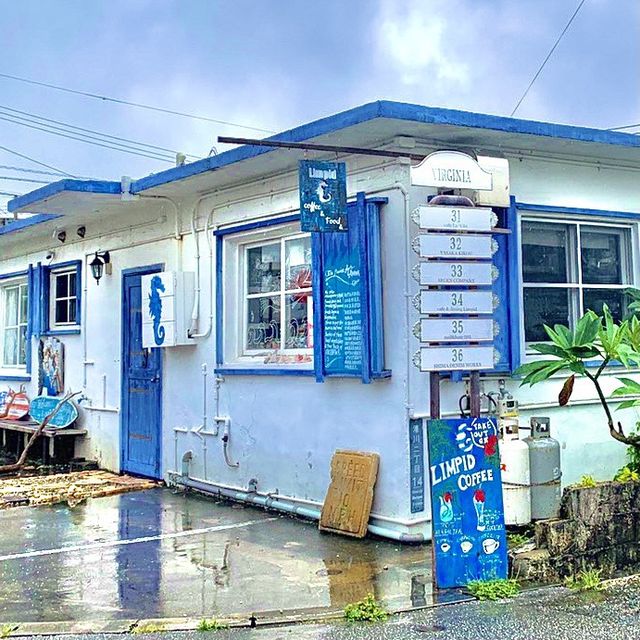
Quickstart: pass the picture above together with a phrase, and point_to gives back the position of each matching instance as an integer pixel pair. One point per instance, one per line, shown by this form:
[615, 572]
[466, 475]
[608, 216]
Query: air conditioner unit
[167, 303]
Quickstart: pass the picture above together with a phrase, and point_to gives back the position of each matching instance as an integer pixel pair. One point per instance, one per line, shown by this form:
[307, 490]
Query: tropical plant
[595, 337]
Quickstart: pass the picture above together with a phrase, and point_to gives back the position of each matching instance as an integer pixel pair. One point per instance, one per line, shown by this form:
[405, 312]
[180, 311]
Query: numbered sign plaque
[447, 302]
[454, 218]
[448, 273]
[454, 330]
[454, 358]
[443, 245]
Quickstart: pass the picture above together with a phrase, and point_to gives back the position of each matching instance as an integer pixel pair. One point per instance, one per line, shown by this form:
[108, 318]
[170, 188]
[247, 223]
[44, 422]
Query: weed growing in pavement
[587, 580]
[586, 482]
[149, 627]
[367, 610]
[6, 630]
[494, 589]
[211, 624]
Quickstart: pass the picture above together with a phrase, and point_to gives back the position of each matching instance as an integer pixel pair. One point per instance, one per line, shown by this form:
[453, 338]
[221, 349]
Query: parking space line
[119, 543]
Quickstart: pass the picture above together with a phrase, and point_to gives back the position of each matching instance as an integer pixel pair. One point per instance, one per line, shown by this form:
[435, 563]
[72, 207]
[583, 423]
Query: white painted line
[120, 543]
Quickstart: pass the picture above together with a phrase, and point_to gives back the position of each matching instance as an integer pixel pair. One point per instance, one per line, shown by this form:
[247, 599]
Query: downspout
[195, 314]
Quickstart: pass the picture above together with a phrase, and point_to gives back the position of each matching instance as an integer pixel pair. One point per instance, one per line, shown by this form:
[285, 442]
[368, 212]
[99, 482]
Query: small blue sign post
[323, 196]
[469, 537]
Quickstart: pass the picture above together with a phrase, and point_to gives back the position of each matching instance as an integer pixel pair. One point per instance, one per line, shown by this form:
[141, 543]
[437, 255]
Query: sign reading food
[469, 535]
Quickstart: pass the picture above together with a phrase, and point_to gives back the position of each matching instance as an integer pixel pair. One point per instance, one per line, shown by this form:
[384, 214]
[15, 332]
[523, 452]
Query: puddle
[198, 558]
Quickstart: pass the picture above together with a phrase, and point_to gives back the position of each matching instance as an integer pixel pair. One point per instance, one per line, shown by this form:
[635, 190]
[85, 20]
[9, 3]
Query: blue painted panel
[469, 535]
[416, 465]
[42, 406]
[323, 196]
[141, 426]
[515, 311]
[501, 341]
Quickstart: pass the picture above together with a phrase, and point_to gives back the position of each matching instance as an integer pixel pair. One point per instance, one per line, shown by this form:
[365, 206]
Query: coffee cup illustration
[489, 545]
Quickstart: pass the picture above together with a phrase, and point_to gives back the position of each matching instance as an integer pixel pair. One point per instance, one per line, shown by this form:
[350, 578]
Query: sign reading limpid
[323, 196]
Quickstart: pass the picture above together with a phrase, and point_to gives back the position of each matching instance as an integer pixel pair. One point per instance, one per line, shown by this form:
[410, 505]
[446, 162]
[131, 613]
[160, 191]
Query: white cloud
[416, 37]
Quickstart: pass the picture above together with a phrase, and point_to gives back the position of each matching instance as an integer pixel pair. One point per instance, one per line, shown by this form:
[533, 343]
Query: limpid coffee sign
[469, 535]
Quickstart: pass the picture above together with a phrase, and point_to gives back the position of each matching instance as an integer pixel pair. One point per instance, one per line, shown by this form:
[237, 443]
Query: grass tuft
[587, 580]
[494, 589]
[367, 610]
[586, 482]
[149, 627]
[211, 624]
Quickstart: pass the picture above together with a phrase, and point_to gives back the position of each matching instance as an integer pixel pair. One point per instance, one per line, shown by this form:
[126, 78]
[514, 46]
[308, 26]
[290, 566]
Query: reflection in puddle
[258, 563]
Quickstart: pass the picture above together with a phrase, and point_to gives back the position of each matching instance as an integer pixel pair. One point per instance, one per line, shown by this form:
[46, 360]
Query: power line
[26, 170]
[131, 104]
[31, 117]
[24, 179]
[6, 193]
[628, 126]
[89, 140]
[544, 62]
[42, 164]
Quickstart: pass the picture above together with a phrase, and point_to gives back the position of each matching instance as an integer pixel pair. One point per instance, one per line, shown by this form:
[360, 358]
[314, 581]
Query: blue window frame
[61, 286]
[231, 251]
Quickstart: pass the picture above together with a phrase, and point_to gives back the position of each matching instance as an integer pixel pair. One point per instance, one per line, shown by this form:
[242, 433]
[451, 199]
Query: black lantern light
[98, 263]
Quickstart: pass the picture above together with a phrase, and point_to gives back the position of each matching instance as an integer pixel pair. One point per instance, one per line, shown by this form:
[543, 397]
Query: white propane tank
[514, 463]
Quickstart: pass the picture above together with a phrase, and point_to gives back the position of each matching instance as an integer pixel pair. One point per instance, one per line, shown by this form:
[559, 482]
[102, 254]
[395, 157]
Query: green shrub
[627, 474]
[516, 540]
[367, 610]
[494, 589]
[587, 580]
[586, 482]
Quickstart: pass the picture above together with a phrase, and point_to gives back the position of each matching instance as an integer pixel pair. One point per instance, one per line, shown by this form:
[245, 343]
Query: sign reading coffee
[467, 512]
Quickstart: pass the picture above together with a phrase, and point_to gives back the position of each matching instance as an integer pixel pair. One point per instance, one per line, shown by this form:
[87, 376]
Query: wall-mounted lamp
[101, 262]
[81, 231]
[61, 235]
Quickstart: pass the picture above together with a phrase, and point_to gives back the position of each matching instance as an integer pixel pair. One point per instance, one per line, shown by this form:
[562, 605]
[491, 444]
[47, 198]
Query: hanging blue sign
[323, 196]
[469, 536]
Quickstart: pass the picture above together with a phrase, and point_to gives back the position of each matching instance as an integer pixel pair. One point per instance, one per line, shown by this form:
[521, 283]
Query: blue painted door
[141, 425]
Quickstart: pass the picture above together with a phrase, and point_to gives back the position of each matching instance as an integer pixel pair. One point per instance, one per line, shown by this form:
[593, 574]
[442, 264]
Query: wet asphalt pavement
[544, 614]
[157, 554]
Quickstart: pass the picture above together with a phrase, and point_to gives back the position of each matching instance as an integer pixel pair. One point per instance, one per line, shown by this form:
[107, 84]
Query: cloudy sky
[273, 64]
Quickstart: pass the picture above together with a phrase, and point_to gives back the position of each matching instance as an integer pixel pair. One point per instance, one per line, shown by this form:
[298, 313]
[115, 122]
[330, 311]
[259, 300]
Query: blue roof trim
[27, 222]
[68, 184]
[298, 134]
[398, 111]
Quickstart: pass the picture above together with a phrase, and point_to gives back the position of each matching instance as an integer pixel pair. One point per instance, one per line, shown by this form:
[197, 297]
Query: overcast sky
[279, 63]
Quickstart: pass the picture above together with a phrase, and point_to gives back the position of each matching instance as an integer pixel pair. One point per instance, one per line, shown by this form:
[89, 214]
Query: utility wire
[42, 164]
[24, 179]
[39, 171]
[131, 104]
[6, 193]
[544, 62]
[89, 140]
[628, 126]
[32, 117]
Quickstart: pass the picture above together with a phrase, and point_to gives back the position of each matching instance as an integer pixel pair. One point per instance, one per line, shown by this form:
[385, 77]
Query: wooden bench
[49, 434]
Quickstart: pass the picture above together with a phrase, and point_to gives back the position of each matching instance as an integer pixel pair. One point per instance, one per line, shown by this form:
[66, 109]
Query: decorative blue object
[416, 462]
[323, 196]
[155, 309]
[469, 536]
[42, 406]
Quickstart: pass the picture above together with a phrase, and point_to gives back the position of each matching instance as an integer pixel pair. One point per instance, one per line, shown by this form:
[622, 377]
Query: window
[63, 299]
[568, 268]
[278, 301]
[14, 302]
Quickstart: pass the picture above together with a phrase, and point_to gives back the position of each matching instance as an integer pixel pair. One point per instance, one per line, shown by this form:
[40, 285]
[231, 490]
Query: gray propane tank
[544, 462]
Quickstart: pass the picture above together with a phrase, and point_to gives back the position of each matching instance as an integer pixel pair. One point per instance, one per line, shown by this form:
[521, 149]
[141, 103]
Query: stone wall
[599, 527]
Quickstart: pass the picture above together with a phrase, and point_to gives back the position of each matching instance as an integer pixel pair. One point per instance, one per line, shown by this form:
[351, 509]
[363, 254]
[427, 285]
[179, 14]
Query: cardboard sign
[349, 498]
[323, 196]
[469, 536]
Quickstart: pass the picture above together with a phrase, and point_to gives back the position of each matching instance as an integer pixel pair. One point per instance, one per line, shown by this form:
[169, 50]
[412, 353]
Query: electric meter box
[167, 304]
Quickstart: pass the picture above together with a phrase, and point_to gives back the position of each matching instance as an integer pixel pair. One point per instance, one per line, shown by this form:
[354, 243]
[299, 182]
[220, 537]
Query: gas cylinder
[514, 462]
[544, 462]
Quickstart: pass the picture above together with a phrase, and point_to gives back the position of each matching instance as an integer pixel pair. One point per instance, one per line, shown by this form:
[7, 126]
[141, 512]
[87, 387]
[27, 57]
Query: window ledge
[71, 331]
[15, 375]
[263, 371]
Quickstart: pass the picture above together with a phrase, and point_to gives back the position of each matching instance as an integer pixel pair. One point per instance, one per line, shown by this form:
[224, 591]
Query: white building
[264, 421]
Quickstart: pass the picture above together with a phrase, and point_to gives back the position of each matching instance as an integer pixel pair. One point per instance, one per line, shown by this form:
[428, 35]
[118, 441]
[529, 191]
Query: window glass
[615, 299]
[299, 317]
[544, 306]
[14, 299]
[298, 263]
[601, 256]
[545, 248]
[64, 299]
[263, 323]
[263, 268]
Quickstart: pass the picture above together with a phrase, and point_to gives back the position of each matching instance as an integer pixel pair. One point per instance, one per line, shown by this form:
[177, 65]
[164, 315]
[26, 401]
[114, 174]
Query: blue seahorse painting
[155, 309]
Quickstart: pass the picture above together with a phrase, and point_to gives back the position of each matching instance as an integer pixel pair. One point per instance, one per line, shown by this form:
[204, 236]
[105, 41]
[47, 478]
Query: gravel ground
[543, 614]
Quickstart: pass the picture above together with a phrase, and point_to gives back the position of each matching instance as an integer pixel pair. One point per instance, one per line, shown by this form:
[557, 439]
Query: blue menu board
[340, 311]
[469, 535]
